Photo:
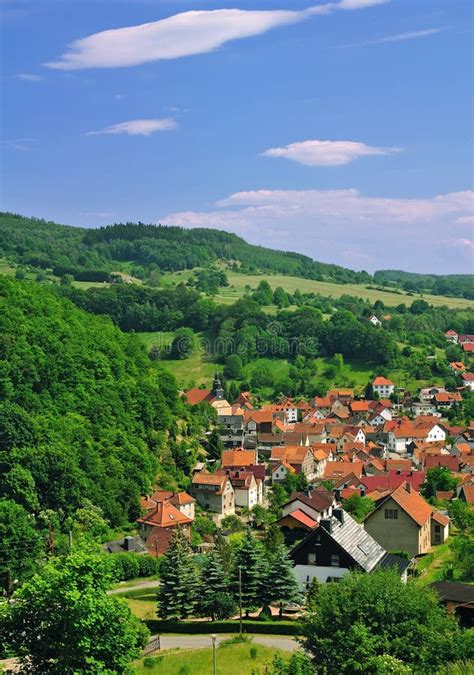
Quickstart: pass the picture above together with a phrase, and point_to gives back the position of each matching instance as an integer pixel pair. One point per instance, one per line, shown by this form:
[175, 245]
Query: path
[204, 641]
[154, 583]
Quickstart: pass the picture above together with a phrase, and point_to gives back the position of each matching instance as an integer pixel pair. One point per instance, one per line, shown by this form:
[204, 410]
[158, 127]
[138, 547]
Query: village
[393, 454]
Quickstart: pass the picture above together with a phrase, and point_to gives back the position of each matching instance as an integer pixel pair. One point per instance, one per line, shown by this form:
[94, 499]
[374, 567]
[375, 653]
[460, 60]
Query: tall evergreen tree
[179, 580]
[249, 559]
[214, 600]
[281, 585]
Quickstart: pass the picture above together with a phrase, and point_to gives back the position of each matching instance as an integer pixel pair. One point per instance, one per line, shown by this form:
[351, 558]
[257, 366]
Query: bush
[253, 652]
[204, 627]
[127, 566]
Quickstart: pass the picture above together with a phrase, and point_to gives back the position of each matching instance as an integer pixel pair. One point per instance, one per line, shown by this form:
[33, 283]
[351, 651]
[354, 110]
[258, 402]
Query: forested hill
[84, 414]
[92, 254]
[47, 245]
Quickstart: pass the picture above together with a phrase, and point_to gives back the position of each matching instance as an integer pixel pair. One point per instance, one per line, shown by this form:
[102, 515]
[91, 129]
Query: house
[248, 490]
[451, 336]
[157, 525]
[316, 503]
[322, 453]
[375, 321]
[457, 367]
[406, 431]
[468, 347]
[445, 400]
[295, 526]
[383, 387]
[439, 528]
[280, 471]
[391, 480]
[337, 546]
[402, 521]
[466, 493]
[181, 500]
[337, 470]
[214, 492]
[458, 599]
[238, 458]
[300, 457]
[446, 461]
[468, 380]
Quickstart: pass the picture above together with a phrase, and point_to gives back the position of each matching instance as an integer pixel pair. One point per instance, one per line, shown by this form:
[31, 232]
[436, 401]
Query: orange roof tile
[412, 503]
[164, 515]
[381, 381]
[237, 458]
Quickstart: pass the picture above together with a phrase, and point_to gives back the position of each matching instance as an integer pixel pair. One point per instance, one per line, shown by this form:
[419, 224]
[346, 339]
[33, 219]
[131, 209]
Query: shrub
[204, 627]
[253, 652]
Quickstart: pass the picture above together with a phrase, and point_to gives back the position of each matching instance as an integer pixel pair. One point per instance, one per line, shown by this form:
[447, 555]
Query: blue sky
[341, 129]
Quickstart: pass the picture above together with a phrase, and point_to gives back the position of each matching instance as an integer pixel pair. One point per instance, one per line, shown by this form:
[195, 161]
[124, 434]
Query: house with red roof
[214, 493]
[403, 522]
[390, 480]
[451, 336]
[316, 503]
[468, 380]
[156, 527]
[383, 386]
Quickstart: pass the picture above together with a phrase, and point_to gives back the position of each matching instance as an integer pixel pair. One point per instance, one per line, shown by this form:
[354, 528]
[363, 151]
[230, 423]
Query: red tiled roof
[335, 470]
[468, 347]
[451, 463]
[237, 458]
[440, 518]
[393, 479]
[468, 491]
[468, 377]
[164, 515]
[303, 518]
[445, 495]
[413, 504]
[195, 396]
[381, 381]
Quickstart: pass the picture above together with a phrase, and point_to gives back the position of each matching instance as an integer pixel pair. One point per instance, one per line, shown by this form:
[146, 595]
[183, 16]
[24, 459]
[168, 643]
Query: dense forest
[85, 417]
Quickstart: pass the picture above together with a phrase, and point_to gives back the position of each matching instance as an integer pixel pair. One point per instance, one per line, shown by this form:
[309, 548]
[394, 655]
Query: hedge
[156, 626]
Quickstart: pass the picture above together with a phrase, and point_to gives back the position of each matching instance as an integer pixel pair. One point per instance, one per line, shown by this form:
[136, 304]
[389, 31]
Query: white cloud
[137, 127]
[326, 153]
[347, 227]
[399, 37]
[29, 77]
[184, 34]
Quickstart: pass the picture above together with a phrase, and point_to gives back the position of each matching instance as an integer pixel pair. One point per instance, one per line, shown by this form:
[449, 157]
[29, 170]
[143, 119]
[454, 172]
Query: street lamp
[214, 638]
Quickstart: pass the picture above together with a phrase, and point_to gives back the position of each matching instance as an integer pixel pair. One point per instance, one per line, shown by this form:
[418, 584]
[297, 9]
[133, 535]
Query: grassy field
[199, 369]
[143, 606]
[236, 659]
[238, 283]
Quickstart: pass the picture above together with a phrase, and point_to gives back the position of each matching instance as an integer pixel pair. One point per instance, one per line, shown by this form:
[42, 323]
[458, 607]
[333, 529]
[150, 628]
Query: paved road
[204, 641]
[154, 583]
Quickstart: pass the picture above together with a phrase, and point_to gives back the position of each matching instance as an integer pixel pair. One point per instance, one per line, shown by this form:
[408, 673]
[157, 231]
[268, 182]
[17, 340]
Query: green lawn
[143, 606]
[230, 660]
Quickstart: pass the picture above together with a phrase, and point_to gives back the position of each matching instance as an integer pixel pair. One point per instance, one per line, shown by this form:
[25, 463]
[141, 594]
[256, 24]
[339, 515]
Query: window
[391, 514]
[334, 560]
[311, 558]
[437, 528]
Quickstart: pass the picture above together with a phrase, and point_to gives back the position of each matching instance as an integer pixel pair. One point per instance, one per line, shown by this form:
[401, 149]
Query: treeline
[86, 420]
[451, 285]
[43, 244]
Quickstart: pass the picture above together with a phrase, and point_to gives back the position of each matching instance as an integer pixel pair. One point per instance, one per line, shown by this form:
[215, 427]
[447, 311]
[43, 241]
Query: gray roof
[391, 561]
[356, 541]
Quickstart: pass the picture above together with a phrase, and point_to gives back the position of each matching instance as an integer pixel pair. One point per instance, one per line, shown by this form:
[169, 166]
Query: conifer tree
[281, 584]
[179, 580]
[214, 599]
[249, 558]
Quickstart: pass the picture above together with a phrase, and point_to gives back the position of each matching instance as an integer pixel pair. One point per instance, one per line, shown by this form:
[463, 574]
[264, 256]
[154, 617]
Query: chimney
[339, 514]
[408, 487]
[128, 543]
[326, 523]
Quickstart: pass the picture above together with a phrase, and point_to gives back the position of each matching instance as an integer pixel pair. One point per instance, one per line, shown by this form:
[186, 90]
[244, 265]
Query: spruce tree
[249, 559]
[281, 584]
[214, 599]
[179, 580]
